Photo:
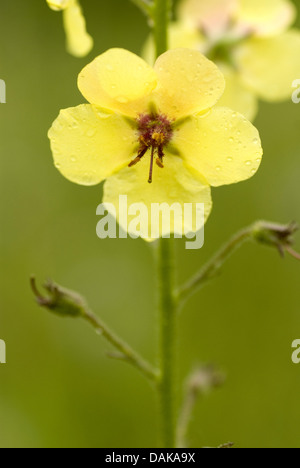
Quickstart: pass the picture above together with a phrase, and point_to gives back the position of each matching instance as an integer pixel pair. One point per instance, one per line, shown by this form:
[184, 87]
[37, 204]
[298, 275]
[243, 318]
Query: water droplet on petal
[122, 99]
[91, 132]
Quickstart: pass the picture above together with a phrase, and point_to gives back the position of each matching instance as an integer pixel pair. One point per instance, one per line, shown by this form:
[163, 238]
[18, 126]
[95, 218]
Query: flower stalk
[168, 318]
[166, 276]
[161, 17]
[274, 235]
[201, 382]
[66, 303]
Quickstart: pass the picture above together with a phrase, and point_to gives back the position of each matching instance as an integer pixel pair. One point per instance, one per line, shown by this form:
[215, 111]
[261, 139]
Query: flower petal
[79, 42]
[268, 66]
[187, 83]
[118, 80]
[88, 147]
[174, 184]
[58, 5]
[222, 145]
[212, 16]
[237, 96]
[181, 35]
[266, 17]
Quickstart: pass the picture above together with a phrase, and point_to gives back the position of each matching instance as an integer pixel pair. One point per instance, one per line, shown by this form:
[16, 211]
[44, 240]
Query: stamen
[138, 158]
[159, 138]
[151, 166]
[159, 163]
[154, 132]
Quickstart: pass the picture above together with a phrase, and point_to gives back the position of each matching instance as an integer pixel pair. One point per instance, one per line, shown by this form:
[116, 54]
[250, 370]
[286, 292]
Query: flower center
[154, 133]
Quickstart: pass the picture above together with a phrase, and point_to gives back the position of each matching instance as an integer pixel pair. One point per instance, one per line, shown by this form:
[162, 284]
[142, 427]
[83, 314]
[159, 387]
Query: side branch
[68, 303]
[271, 234]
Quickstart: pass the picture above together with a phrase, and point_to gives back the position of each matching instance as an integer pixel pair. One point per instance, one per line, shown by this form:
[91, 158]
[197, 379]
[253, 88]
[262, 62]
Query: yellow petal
[58, 5]
[118, 80]
[237, 95]
[212, 16]
[187, 83]
[180, 36]
[268, 66]
[174, 184]
[222, 145]
[266, 16]
[79, 42]
[88, 147]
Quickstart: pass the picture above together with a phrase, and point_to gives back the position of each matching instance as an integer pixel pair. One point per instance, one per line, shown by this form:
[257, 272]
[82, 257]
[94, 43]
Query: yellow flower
[167, 114]
[79, 42]
[250, 42]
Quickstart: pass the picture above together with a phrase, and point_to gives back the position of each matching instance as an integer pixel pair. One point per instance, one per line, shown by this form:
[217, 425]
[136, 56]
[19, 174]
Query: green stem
[167, 302]
[161, 17]
[126, 352]
[168, 316]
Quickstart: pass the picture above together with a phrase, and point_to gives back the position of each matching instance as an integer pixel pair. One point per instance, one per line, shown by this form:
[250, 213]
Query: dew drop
[122, 99]
[248, 163]
[91, 132]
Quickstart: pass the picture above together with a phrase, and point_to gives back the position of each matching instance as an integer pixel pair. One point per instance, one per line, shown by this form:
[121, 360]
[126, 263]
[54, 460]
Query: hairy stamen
[155, 132]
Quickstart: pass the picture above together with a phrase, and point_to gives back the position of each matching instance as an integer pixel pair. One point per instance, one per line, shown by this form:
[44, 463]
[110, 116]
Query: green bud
[204, 379]
[276, 235]
[59, 300]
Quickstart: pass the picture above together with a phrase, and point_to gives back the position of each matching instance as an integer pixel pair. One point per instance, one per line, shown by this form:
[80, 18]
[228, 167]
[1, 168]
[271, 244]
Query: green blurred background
[58, 388]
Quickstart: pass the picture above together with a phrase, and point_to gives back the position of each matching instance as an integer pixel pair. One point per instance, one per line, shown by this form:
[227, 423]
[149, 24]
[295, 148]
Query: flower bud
[276, 235]
[204, 379]
[59, 300]
[79, 42]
